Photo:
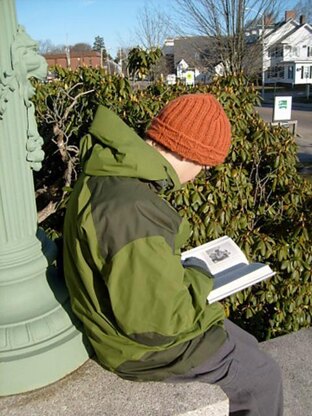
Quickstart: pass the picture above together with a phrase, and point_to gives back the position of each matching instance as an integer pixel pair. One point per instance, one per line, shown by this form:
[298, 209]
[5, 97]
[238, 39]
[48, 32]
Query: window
[276, 52]
[309, 51]
[281, 72]
[310, 71]
[295, 51]
[272, 72]
[276, 72]
[304, 72]
[290, 72]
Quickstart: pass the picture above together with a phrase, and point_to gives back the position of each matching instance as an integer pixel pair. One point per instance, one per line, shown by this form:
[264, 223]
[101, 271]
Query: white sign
[190, 77]
[171, 79]
[282, 109]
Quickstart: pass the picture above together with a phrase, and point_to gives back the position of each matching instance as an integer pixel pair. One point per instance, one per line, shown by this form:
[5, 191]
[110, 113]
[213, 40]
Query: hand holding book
[229, 267]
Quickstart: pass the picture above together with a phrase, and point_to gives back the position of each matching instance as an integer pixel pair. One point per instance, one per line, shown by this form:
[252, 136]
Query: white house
[287, 54]
[181, 69]
[194, 53]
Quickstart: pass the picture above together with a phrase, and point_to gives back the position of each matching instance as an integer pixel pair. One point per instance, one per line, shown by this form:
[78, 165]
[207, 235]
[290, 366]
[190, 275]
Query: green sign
[282, 104]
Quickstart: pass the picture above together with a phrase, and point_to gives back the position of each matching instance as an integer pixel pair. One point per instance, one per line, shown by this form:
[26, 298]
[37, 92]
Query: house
[181, 68]
[196, 54]
[287, 50]
[73, 60]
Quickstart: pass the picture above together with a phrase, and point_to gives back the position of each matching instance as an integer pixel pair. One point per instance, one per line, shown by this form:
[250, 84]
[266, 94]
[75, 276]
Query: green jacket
[145, 314]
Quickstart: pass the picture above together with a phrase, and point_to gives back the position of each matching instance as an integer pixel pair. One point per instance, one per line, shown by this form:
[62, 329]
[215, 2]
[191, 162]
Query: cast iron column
[39, 343]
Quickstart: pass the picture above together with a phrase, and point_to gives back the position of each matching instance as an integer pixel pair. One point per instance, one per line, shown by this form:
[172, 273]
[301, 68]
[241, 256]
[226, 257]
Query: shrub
[256, 197]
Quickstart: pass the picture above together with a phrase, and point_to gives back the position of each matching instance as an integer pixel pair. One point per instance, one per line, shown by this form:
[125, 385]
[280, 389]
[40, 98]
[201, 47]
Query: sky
[66, 22]
[75, 21]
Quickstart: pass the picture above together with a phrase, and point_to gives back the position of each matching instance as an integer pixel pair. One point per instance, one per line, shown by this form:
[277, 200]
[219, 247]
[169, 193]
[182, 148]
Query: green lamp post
[39, 339]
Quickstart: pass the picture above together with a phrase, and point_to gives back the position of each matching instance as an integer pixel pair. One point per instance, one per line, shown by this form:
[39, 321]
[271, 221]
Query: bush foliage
[256, 197]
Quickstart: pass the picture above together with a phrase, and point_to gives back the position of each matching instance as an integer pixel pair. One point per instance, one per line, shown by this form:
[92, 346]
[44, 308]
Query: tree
[304, 7]
[153, 27]
[81, 47]
[99, 45]
[140, 61]
[225, 22]
[46, 46]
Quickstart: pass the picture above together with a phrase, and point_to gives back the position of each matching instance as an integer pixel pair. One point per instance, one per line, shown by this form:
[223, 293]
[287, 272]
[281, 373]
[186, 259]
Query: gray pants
[249, 377]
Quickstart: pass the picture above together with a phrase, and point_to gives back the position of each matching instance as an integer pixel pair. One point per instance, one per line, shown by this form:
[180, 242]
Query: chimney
[302, 19]
[268, 20]
[290, 14]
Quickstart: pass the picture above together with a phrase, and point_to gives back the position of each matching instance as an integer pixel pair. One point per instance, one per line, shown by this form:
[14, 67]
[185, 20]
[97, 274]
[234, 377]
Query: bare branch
[225, 22]
[75, 99]
[154, 26]
[41, 191]
[46, 212]
[60, 114]
[59, 119]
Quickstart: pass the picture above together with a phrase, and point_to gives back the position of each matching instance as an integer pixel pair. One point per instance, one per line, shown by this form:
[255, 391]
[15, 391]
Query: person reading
[144, 311]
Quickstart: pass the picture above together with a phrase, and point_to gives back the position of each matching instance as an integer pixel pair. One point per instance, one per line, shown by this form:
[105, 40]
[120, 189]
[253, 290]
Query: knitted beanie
[195, 127]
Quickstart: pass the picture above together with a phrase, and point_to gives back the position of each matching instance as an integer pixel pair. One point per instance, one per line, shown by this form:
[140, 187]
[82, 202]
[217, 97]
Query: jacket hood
[114, 149]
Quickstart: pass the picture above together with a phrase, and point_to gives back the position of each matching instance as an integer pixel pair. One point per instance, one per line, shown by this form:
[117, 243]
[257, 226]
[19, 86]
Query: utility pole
[67, 52]
[101, 56]
[120, 61]
[262, 48]
[262, 61]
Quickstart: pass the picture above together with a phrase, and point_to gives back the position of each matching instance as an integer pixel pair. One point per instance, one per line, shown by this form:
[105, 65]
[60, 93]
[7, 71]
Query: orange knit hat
[195, 127]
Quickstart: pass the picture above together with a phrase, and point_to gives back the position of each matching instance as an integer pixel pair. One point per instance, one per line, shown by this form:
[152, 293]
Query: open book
[229, 266]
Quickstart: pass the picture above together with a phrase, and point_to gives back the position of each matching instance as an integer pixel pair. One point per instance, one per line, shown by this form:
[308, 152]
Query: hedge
[256, 197]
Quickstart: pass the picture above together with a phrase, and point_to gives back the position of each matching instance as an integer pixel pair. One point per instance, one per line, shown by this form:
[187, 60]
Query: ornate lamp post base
[39, 363]
[40, 341]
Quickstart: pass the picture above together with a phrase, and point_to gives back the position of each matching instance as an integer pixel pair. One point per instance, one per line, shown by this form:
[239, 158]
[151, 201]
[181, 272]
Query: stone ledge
[92, 391]
[293, 352]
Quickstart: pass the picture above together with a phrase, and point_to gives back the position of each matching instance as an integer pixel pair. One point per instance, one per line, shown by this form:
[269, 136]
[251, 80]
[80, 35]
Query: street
[304, 128]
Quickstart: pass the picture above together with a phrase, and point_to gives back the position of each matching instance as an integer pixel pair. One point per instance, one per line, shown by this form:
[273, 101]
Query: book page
[218, 255]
